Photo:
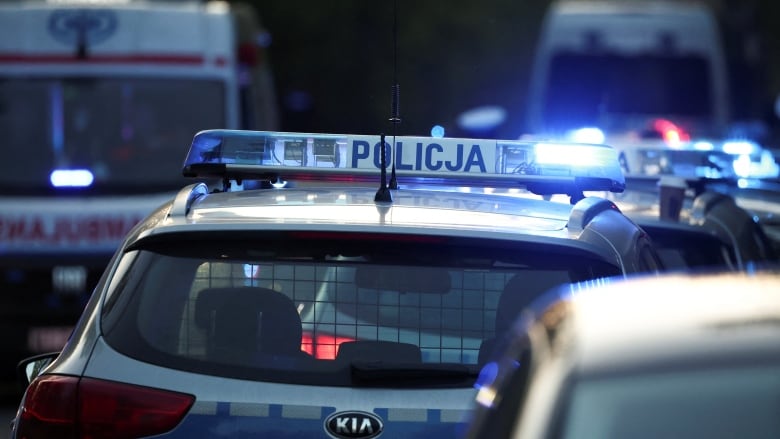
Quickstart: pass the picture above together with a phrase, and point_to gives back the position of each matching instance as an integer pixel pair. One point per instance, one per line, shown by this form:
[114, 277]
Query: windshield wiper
[409, 374]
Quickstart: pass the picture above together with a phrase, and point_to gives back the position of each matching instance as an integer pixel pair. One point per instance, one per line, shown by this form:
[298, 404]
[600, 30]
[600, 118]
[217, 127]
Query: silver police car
[681, 193]
[694, 223]
[675, 355]
[315, 293]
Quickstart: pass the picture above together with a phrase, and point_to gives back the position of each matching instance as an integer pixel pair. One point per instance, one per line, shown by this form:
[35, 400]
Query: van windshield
[111, 127]
[612, 90]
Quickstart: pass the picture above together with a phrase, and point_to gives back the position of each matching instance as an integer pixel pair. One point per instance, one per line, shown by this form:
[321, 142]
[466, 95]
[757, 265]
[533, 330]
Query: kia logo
[361, 425]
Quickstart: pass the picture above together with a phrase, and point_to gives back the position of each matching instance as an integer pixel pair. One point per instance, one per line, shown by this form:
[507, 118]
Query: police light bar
[543, 168]
[706, 159]
[698, 160]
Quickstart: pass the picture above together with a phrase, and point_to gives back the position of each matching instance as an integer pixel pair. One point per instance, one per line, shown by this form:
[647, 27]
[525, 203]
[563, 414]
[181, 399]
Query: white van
[97, 99]
[620, 65]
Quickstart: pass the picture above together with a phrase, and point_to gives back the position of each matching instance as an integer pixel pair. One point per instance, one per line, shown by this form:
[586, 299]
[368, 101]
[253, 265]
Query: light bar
[688, 163]
[71, 178]
[740, 147]
[705, 159]
[544, 168]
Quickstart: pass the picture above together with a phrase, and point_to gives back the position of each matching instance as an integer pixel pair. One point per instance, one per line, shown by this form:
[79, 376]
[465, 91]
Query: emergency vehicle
[96, 100]
[638, 75]
[314, 295]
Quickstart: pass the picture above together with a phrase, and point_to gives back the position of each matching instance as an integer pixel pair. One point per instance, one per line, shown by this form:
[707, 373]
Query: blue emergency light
[542, 168]
[71, 178]
[705, 159]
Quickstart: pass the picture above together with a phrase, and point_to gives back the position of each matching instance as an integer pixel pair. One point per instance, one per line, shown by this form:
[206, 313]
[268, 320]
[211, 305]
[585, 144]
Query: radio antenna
[395, 116]
[383, 194]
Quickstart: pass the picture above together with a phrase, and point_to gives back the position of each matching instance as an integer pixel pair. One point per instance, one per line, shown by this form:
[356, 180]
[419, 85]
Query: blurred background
[333, 64]
[331, 67]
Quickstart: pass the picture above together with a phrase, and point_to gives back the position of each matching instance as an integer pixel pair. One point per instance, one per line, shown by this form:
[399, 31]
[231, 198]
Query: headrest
[250, 312]
[521, 290]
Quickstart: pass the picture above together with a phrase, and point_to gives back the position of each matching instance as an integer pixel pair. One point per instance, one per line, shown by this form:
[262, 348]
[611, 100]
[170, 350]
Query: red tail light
[249, 54]
[323, 346]
[670, 132]
[72, 407]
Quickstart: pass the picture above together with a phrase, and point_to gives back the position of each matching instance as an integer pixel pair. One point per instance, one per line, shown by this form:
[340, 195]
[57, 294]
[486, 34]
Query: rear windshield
[599, 89]
[110, 127]
[330, 309]
[681, 249]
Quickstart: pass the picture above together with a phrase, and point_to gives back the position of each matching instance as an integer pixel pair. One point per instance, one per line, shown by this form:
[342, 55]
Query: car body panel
[231, 407]
[642, 327]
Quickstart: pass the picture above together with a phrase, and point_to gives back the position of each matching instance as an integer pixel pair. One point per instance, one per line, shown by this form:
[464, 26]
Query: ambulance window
[612, 84]
[112, 127]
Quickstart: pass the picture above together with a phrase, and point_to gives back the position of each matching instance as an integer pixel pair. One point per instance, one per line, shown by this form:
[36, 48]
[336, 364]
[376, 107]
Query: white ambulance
[97, 100]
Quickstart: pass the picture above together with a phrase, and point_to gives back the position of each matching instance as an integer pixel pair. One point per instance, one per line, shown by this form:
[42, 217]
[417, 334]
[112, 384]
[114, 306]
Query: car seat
[244, 322]
[519, 292]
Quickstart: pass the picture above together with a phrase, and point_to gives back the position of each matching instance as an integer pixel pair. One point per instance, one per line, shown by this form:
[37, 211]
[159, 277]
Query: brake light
[72, 407]
[322, 346]
[49, 408]
[353, 236]
[671, 133]
[249, 54]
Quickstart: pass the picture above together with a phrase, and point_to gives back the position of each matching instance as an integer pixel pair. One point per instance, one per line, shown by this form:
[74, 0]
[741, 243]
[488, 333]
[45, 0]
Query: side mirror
[29, 368]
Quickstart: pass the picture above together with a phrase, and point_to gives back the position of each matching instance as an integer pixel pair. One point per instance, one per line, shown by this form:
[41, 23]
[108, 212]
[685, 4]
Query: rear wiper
[408, 374]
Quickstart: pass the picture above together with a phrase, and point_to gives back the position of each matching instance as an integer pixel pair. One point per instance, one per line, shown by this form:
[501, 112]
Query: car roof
[675, 317]
[345, 207]
[273, 181]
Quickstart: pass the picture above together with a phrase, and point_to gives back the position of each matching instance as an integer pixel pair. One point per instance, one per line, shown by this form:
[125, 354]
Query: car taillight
[49, 408]
[249, 54]
[322, 346]
[672, 134]
[72, 407]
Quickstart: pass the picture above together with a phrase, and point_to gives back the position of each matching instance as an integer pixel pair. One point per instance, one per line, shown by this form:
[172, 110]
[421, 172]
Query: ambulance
[97, 100]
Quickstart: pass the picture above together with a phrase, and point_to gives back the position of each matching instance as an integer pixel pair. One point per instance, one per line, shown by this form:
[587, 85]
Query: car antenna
[383, 195]
[395, 116]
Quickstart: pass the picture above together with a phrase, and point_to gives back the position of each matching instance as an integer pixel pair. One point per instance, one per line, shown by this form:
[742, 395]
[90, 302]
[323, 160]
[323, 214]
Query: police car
[696, 222]
[316, 293]
[688, 193]
[759, 197]
[664, 356]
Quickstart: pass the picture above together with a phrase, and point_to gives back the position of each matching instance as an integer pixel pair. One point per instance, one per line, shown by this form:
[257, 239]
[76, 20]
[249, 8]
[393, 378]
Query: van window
[113, 127]
[603, 89]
